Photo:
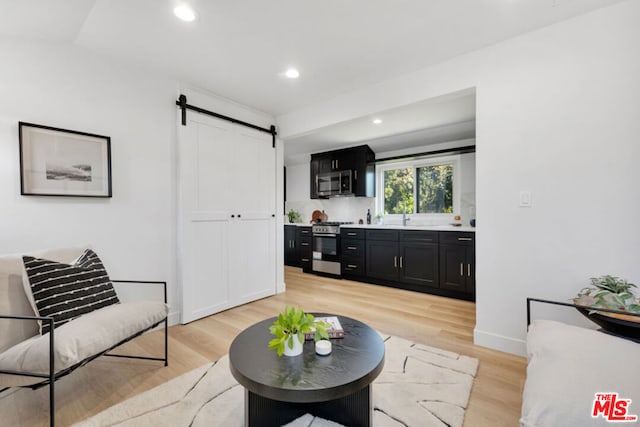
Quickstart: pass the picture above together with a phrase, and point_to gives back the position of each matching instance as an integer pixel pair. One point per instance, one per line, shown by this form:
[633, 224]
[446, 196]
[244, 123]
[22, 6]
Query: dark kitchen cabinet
[457, 262]
[352, 252]
[364, 172]
[291, 255]
[305, 248]
[409, 257]
[419, 258]
[359, 160]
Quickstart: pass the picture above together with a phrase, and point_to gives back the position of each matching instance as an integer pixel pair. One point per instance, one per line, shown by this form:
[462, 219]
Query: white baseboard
[500, 342]
[174, 318]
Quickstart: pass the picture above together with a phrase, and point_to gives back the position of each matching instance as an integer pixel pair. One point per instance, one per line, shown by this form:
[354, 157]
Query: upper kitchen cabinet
[346, 172]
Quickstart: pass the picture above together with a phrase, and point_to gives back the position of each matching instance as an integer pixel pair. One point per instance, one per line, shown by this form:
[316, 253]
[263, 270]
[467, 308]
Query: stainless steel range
[326, 247]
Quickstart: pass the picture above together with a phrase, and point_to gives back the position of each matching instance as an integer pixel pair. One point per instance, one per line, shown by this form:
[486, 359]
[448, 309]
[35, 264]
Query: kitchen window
[428, 187]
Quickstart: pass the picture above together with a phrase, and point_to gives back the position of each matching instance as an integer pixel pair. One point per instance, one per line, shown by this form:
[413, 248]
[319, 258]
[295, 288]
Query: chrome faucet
[405, 219]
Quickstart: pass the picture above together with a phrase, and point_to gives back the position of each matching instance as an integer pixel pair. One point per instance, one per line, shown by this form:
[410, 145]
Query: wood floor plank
[432, 320]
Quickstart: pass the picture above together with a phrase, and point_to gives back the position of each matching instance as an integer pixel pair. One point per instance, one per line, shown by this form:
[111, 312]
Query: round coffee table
[336, 387]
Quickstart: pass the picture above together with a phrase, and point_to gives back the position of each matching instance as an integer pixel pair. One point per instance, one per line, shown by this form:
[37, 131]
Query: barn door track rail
[182, 103]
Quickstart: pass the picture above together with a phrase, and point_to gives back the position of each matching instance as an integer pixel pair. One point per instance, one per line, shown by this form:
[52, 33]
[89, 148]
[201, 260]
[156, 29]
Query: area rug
[419, 386]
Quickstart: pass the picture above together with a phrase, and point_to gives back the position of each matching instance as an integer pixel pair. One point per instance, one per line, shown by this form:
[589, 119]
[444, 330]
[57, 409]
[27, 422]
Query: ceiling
[442, 119]
[240, 49]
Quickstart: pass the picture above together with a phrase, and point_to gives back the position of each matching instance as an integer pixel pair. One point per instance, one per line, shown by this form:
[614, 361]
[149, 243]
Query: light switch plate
[525, 199]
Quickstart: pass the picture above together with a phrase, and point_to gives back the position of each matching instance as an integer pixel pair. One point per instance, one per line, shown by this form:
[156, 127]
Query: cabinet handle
[461, 269]
[464, 239]
[304, 244]
[352, 266]
[351, 234]
[468, 270]
[401, 262]
[304, 232]
[351, 248]
[337, 164]
[304, 259]
[395, 262]
[233, 216]
[355, 172]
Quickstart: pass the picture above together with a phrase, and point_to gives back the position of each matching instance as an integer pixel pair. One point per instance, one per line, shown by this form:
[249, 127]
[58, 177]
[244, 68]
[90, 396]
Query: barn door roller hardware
[182, 103]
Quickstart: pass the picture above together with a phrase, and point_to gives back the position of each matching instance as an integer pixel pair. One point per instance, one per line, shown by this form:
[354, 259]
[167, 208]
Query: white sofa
[567, 366]
[73, 344]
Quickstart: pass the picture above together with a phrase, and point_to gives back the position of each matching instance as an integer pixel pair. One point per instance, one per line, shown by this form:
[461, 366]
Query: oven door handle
[324, 235]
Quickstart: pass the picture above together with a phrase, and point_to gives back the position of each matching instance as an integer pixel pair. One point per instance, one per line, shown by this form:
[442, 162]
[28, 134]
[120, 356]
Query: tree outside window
[398, 191]
[433, 187]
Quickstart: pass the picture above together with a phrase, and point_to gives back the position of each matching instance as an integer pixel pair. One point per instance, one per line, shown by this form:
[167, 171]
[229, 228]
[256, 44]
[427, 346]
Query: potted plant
[612, 293]
[294, 216]
[290, 328]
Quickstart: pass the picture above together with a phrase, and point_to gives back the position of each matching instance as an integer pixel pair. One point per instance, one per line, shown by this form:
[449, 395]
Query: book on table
[335, 331]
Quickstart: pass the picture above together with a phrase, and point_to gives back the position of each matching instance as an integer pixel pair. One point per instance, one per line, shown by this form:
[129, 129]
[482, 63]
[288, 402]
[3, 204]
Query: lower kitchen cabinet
[382, 260]
[419, 264]
[406, 257]
[291, 253]
[353, 252]
[305, 248]
[457, 262]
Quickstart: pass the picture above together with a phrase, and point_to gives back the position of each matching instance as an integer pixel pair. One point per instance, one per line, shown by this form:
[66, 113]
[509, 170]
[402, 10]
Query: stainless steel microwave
[331, 184]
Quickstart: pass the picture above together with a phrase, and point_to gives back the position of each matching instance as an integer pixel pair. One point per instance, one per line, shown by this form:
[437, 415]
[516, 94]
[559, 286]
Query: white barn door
[227, 196]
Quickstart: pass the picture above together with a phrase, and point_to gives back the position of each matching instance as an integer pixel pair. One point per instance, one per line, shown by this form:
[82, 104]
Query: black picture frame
[63, 162]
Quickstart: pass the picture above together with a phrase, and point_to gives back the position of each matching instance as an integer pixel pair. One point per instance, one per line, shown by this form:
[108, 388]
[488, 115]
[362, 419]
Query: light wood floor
[441, 322]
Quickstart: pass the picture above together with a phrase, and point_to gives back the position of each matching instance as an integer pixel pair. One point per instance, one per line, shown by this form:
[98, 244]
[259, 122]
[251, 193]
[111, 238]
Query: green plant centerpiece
[612, 293]
[294, 216]
[291, 326]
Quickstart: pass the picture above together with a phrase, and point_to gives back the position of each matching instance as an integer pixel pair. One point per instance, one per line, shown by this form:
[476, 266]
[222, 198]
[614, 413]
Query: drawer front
[305, 243]
[353, 248]
[387, 235]
[419, 236]
[352, 233]
[353, 266]
[304, 231]
[457, 238]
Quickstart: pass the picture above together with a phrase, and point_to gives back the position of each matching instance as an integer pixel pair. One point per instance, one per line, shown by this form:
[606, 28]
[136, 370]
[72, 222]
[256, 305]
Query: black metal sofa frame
[50, 379]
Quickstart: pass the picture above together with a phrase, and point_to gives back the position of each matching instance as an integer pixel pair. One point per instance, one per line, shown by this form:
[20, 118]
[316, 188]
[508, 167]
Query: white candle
[323, 347]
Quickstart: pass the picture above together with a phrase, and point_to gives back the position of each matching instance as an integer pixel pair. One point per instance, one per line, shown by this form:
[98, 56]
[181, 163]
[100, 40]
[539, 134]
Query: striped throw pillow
[66, 291]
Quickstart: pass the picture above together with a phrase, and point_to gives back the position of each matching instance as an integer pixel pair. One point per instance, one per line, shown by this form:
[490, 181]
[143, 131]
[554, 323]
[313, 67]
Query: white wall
[134, 232]
[557, 114]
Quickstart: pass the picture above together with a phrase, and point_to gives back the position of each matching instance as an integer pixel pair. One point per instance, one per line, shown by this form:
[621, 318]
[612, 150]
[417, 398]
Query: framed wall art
[60, 162]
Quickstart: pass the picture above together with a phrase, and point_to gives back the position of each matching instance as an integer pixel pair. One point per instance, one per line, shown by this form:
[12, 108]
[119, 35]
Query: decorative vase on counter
[297, 347]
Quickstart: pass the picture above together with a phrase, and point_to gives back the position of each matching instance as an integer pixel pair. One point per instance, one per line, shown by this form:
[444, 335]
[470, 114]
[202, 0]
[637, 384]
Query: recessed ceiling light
[377, 121]
[185, 13]
[292, 73]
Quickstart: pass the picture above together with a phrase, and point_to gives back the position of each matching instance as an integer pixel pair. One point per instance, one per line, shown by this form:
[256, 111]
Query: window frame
[415, 164]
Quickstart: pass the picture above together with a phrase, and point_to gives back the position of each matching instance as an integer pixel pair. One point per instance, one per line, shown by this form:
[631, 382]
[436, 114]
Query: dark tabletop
[355, 361]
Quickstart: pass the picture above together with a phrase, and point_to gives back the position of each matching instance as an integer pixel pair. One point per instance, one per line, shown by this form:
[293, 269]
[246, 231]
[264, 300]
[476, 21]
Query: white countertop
[401, 227]
[412, 227]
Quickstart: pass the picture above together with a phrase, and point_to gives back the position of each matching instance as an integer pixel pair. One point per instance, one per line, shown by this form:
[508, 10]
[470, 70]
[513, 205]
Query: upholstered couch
[568, 365]
[26, 354]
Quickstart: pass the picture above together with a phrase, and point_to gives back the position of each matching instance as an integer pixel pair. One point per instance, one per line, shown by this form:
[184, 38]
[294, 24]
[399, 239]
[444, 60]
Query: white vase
[297, 347]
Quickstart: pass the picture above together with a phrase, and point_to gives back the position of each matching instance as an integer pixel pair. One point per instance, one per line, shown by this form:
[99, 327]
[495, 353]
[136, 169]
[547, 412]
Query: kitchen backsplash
[337, 209]
[355, 208]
